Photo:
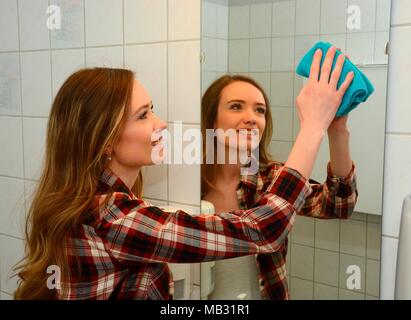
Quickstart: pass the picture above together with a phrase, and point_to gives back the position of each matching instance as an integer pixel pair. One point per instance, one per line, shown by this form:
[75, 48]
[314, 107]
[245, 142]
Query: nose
[159, 124]
[249, 117]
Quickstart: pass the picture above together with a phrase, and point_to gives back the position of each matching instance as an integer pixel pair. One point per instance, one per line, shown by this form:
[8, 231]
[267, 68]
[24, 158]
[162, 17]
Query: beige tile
[301, 289]
[349, 295]
[303, 231]
[345, 262]
[288, 260]
[367, 297]
[353, 237]
[373, 277]
[326, 267]
[327, 234]
[374, 218]
[359, 216]
[324, 292]
[374, 241]
[302, 262]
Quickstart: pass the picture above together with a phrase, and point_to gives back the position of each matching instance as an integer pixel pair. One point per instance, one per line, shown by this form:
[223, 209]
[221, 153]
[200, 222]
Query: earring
[109, 157]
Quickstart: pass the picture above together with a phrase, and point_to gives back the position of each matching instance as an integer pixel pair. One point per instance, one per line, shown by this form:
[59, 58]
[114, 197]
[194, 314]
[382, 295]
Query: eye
[143, 116]
[261, 110]
[235, 106]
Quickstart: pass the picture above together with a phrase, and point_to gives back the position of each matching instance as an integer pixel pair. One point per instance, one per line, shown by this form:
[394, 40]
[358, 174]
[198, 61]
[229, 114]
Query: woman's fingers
[336, 73]
[346, 84]
[326, 67]
[315, 66]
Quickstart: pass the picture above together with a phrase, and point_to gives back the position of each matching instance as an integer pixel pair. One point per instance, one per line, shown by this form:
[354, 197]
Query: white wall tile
[149, 62]
[326, 267]
[145, 21]
[383, 15]
[401, 12]
[280, 150]
[282, 54]
[264, 79]
[11, 251]
[368, 13]
[34, 146]
[33, 17]
[333, 16]
[192, 210]
[155, 182]
[98, 31]
[36, 83]
[308, 17]
[282, 89]
[222, 55]
[11, 163]
[5, 296]
[12, 211]
[260, 20]
[282, 124]
[283, 18]
[184, 19]
[10, 101]
[360, 47]
[397, 177]
[64, 63]
[209, 47]
[111, 57]
[209, 19]
[222, 21]
[398, 110]
[9, 37]
[302, 45]
[338, 40]
[381, 38]
[206, 79]
[388, 267]
[238, 55]
[239, 22]
[184, 81]
[260, 55]
[71, 32]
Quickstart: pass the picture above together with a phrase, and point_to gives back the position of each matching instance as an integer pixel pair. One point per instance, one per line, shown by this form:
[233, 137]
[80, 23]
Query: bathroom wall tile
[12, 153]
[5, 296]
[33, 16]
[209, 47]
[296, 123]
[308, 17]
[383, 15]
[359, 216]
[401, 12]
[303, 230]
[338, 40]
[10, 101]
[64, 63]
[302, 45]
[397, 174]
[145, 21]
[71, 32]
[373, 218]
[388, 267]
[110, 57]
[282, 54]
[302, 262]
[326, 267]
[155, 182]
[282, 125]
[374, 240]
[333, 16]
[360, 47]
[209, 19]
[288, 259]
[12, 206]
[327, 234]
[207, 78]
[353, 237]
[222, 55]
[399, 112]
[9, 37]
[34, 146]
[283, 18]
[350, 295]
[260, 20]
[183, 19]
[11, 252]
[36, 83]
[260, 55]
[282, 89]
[195, 276]
[367, 297]
[155, 202]
[222, 21]
[238, 55]
[264, 79]
[29, 192]
[324, 292]
[368, 13]
[184, 81]
[192, 210]
[98, 31]
[381, 38]
[149, 62]
[280, 150]
[301, 289]
[349, 260]
[373, 277]
[239, 22]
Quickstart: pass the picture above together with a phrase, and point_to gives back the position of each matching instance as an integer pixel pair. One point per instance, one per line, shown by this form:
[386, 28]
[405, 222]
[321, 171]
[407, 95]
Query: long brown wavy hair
[87, 115]
[209, 108]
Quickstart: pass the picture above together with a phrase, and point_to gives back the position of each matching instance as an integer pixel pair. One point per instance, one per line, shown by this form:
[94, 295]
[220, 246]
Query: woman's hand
[319, 99]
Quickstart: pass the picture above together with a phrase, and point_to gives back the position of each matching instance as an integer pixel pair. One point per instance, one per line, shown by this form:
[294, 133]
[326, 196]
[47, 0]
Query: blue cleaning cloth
[358, 91]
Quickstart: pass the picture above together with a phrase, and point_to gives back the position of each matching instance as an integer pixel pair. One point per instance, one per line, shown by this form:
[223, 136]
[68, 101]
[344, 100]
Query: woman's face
[140, 138]
[242, 106]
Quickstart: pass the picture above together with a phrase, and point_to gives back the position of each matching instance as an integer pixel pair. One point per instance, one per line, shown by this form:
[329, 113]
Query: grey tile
[352, 272]
[301, 289]
[303, 231]
[350, 295]
[302, 262]
[327, 234]
[324, 292]
[326, 267]
[353, 237]
[373, 278]
[359, 216]
[374, 241]
[374, 218]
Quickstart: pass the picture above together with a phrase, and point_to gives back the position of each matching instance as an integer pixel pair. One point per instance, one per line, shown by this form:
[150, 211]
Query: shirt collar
[110, 181]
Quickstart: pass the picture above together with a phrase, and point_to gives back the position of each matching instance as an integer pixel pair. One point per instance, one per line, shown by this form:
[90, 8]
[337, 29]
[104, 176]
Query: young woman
[238, 102]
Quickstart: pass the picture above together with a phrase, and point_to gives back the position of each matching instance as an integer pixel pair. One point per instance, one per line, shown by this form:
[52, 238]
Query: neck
[127, 174]
[229, 172]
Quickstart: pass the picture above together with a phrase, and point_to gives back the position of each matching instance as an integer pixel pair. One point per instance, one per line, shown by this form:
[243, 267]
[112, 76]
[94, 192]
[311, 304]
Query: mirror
[326, 258]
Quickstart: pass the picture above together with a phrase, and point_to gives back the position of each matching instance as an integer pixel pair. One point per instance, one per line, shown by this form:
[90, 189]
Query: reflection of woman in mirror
[238, 102]
[88, 224]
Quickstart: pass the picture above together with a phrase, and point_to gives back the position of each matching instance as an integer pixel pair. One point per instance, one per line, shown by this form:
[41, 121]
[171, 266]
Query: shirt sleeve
[136, 233]
[334, 199]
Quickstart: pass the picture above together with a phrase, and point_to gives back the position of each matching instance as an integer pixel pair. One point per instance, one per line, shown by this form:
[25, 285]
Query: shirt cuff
[345, 185]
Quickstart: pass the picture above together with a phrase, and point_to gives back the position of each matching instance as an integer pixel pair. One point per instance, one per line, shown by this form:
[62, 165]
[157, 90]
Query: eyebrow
[148, 105]
[242, 101]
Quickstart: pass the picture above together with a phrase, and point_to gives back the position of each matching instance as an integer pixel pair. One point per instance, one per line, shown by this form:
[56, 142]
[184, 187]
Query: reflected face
[141, 132]
[242, 108]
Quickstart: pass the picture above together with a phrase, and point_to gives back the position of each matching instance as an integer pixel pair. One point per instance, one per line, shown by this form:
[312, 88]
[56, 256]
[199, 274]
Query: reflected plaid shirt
[335, 199]
[122, 245]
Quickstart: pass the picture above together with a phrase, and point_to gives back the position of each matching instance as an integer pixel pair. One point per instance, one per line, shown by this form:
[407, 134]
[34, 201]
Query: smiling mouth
[156, 142]
[248, 132]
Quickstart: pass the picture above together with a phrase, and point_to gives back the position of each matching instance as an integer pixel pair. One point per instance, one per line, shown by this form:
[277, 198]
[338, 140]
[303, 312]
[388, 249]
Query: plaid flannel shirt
[122, 244]
[335, 199]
